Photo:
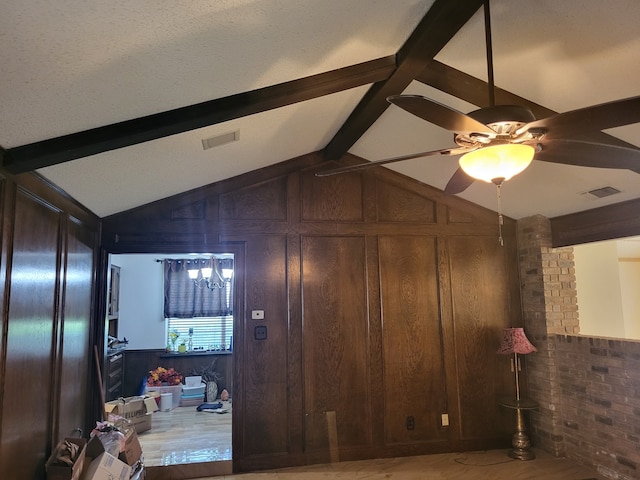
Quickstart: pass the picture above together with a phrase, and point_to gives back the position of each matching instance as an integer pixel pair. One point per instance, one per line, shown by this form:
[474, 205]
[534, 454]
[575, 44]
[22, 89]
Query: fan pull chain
[500, 219]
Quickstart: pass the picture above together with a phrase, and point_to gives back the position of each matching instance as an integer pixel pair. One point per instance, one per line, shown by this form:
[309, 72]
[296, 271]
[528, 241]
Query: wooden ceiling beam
[443, 20]
[131, 132]
[618, 220]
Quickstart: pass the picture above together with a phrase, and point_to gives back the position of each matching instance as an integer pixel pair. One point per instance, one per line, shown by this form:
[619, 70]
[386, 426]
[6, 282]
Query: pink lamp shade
[515, 341]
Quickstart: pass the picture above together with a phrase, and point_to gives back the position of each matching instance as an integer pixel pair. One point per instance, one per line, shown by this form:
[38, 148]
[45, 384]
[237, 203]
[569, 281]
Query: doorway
[181, 435]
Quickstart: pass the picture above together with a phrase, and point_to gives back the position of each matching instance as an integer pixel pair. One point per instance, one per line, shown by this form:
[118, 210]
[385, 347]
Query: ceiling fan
[499, 141]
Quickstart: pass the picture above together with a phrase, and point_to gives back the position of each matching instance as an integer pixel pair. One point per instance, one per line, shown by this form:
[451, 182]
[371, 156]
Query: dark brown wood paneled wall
[48, 272]
[414, 368]
[264, 385]
[480, 302]
[75, 363]
[384, 301]
[335, 343]
[31, 338]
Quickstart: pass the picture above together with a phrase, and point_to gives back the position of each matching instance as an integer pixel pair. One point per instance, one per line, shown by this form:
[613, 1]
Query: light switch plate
[257, 314]
[444, 418]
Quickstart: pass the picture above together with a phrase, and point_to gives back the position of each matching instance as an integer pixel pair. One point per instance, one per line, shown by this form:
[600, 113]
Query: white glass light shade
[193, 273]
[206, 272]
[227, 273]
[497, 161]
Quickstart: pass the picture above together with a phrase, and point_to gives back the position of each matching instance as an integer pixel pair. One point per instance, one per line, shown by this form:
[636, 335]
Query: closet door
[29, 376]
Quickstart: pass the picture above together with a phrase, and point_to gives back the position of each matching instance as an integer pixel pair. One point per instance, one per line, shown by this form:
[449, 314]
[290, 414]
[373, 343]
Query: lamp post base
[520, 441]
[521, 446]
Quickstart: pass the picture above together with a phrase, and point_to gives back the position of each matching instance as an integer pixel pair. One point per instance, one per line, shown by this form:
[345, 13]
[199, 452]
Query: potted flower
[163, 376]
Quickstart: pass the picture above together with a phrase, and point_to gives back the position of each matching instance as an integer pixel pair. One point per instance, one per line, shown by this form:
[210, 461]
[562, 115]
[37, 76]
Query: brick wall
[600, 408]
[588, 388]
[548, 306]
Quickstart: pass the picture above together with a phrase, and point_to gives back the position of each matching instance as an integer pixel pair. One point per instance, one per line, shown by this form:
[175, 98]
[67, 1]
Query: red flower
[161, 376]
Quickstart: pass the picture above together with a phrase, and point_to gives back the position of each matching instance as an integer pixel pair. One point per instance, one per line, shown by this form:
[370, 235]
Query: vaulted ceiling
[111, 100]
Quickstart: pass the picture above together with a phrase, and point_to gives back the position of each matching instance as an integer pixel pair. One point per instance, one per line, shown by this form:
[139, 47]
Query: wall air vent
[218, 140]
[601, 192]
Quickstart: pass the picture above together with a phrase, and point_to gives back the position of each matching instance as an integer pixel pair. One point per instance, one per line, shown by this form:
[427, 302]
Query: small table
[520, 441]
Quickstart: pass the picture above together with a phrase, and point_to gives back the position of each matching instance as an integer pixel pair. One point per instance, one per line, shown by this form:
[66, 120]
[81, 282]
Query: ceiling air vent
[218, 140]
[601, 192]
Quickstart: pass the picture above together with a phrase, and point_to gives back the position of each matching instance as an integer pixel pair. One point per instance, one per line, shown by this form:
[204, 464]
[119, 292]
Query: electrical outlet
[444, 419]
[411, 423]
[260, 332]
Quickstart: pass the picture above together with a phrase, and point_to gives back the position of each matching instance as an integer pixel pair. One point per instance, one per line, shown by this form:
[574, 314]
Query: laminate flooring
[488, 465]
[184, 435]
[188, 442]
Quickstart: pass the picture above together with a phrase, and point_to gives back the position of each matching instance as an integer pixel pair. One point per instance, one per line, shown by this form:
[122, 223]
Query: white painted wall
[629, 282]
[141, 318]
[607, 281]
[599, 292]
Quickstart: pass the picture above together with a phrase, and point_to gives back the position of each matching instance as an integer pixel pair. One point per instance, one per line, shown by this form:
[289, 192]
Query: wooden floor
[188, 443]
[489, 465]
[184, 435]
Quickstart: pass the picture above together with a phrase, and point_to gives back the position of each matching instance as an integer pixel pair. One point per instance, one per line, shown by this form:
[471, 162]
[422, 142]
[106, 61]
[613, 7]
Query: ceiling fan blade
[458, 182]
[590, 119]
[439, 114]
[587, 154]
[361, 166]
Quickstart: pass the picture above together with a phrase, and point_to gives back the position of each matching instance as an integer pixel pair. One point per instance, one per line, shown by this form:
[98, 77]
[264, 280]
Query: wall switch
[257, 314]
[260, 332]
[444, 419]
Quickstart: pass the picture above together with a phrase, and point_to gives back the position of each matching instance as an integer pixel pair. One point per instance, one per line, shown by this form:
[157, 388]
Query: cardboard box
[137, 410]
[122, 443]
[142, 424]
[63, 472]
[150, 404]
[128, 408]
[107, 467]
[132, 449]
[102, 465]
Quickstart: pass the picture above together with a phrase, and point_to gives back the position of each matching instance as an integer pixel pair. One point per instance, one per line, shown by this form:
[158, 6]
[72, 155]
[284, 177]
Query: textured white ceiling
[71, 65]
[139, 174]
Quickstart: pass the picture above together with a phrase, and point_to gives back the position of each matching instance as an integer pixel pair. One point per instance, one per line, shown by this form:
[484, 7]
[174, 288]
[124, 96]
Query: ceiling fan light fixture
[497, 161]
